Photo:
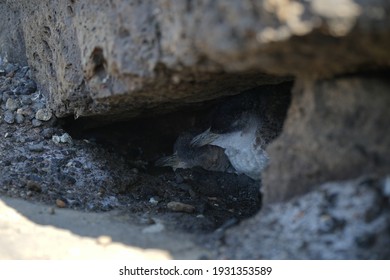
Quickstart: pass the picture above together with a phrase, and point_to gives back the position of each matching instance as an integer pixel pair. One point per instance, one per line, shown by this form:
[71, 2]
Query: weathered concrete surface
[335, 130]
[94, 57]
[337, 220]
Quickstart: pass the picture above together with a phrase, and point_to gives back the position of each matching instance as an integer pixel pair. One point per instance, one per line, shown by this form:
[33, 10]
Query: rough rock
[335, 130]
[337, 220]
[94, 57]
[180, 207]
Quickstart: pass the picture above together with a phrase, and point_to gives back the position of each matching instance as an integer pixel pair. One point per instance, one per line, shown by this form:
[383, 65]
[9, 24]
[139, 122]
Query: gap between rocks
[211, 199]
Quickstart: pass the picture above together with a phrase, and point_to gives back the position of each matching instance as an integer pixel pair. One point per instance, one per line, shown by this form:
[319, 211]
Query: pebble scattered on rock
[47, 133]
[36, 123]
[64, 138]
[153, 201]
[60, 203]
[19, 118]
[36, 148]
[43, 115]
[12, 104]
[180, 207]
[9, 117]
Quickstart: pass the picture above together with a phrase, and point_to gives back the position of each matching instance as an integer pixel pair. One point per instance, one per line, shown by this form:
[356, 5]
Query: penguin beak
[204, 138]
[172, 161]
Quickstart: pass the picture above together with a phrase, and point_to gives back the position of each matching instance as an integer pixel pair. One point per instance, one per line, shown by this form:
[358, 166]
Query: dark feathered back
[268, 103]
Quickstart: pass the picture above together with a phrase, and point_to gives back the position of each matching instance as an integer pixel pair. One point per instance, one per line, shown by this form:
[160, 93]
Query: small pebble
[153, 201]
[43, 115]
[6, 95]
[56, 139]
[36, 148]
[29, 88]
[19, 118]
[180, 207]
[36, 123]
[9, 117]
[64, 138]
[12, 104]
[27, 112]
[26, 100]
[47, 133]
[60, 203]
[38, 105]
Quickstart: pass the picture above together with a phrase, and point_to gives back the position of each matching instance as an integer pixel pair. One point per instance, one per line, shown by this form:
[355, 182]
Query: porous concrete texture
[94, 57]
[338, 220]
[336, 129]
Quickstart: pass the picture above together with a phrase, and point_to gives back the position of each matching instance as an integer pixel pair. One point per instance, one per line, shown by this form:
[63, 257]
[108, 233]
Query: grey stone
[12, 104]
[19, 118]
[36, 147]
[64, 138]
[335, 130]
[180, 207]
[25, 100]
[327, 223]
[43, 114]
[22, 72]
[9, 117]
[56, 139]
[47, 133]
[29, 87]
[36, 123]
[38, 104]
[9, 68]
[6, 95]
